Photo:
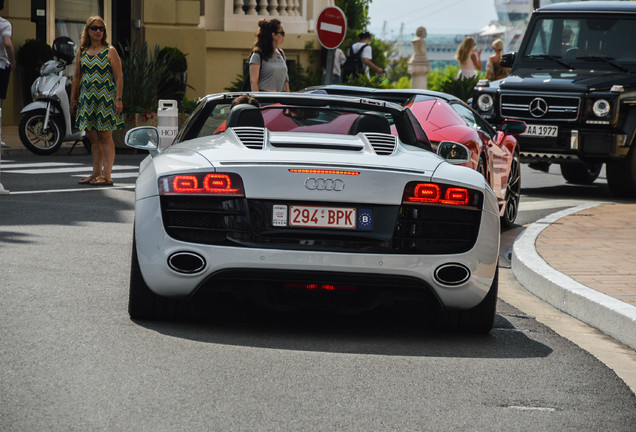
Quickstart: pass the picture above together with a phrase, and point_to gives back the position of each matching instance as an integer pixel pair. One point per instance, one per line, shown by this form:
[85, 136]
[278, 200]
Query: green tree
[357, 13]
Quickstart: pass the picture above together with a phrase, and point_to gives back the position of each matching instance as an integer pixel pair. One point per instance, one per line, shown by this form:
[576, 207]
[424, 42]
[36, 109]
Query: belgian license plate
[541, 131]
[322, 217]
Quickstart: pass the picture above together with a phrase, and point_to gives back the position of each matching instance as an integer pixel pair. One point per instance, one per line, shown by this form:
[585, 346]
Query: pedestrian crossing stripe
[9, 165]
[61, 170]
[113, 175]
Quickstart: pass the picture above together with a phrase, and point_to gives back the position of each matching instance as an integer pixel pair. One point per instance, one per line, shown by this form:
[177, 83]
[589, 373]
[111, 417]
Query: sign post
[331, 28]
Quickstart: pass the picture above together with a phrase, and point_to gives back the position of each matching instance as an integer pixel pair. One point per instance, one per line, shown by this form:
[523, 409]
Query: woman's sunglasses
[281, 32]
[100, 28]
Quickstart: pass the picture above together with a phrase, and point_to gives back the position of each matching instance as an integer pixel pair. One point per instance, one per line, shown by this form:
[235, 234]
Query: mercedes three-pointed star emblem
[538, 107]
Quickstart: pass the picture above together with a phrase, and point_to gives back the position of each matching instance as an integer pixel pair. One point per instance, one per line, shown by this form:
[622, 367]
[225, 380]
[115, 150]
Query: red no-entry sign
[331, 27]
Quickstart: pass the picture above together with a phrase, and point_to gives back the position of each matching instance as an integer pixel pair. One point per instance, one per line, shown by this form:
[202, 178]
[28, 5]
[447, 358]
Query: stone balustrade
[272, 8]
[297, 16]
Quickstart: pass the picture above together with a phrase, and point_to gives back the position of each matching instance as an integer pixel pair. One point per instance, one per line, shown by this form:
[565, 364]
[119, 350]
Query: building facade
[215, 35]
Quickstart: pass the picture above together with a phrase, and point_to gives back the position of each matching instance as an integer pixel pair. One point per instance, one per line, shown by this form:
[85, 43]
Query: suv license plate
[541, 131]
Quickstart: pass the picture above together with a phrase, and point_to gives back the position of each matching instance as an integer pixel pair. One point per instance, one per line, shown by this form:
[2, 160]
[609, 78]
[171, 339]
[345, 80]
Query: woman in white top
[268, 65]
[469, 59]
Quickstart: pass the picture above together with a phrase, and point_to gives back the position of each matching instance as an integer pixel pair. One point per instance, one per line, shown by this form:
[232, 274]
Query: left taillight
[436, 193]
[218, 184]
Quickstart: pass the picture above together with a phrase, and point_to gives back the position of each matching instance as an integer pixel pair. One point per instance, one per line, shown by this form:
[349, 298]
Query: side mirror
[453, 152]
[513, 127]
[143, 138]
[508, 59]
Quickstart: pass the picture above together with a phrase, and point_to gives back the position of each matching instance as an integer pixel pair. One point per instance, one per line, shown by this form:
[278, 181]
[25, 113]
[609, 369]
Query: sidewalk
[13, 145]
[583, 262]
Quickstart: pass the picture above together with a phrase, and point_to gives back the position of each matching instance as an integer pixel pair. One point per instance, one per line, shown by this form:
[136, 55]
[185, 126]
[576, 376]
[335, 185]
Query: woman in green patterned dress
[96, 98]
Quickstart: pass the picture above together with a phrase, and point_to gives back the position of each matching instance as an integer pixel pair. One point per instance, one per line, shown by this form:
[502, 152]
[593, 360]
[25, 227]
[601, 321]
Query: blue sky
[438, 16]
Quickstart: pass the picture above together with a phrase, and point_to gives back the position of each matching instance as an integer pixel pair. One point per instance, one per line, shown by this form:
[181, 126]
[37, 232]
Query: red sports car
[494, 153]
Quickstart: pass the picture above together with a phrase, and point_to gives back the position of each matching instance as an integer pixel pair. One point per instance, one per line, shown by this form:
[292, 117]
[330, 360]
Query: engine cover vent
[383, 144]
[251, 137]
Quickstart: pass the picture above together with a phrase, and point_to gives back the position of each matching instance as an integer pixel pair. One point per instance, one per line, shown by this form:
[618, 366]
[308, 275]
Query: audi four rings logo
[324, 184]
[538, 107]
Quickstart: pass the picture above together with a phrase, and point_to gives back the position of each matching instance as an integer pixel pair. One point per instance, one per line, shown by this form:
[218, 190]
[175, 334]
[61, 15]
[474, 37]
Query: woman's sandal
[87, 180]
[101, 181]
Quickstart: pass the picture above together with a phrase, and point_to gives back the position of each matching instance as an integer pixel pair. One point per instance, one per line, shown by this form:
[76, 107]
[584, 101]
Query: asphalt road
[71, 359]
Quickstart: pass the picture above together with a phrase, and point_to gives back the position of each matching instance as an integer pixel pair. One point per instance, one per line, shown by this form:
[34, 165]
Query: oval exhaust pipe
[452, 274]
[186, 262]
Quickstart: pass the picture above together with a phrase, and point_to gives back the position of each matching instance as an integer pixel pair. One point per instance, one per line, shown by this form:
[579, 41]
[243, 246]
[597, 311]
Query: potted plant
[142, 71]
[173, 84]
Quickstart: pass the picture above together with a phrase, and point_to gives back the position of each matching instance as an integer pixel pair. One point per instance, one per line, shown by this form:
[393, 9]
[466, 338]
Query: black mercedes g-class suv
[573, 82]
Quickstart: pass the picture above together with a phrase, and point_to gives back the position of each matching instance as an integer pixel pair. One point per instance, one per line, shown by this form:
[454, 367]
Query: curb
[609, 315]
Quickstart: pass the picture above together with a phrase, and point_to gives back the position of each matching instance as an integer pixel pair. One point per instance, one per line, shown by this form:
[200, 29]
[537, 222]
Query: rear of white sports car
[292, 218]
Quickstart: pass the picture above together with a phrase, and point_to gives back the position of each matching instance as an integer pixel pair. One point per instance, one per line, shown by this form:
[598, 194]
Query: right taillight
[436, 193]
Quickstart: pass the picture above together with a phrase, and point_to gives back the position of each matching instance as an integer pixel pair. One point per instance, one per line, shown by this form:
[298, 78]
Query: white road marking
[531, 408]
[11, 166]
[84, 189]
[68, 169]
[113, 175]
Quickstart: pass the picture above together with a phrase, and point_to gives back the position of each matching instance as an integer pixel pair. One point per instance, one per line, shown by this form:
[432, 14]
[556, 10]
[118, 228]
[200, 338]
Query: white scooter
[47, 122]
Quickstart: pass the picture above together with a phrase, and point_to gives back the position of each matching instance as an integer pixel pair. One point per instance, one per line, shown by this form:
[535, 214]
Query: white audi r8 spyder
[309, 200]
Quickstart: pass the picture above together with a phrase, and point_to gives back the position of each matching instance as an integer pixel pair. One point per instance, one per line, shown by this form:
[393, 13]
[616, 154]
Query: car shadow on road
[395, 332]
[109, 206]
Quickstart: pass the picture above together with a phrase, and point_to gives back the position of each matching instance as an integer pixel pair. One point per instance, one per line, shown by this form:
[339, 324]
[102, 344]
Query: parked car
[574, 82]
[310, 200]
[494, 153]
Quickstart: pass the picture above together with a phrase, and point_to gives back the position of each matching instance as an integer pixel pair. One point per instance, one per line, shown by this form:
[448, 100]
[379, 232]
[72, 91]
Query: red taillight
[185, 184]
[219, 184]
[456, 196]
[319, 287]
[425, 192]
[434, 193]
[202, 184]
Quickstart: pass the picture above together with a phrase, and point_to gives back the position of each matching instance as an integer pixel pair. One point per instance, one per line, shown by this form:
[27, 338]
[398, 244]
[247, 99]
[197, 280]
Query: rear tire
[621, 176]
[513, 193]
[142, 302]
[479, 319]
[481, 167]
[34, 139]
[581, 173]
